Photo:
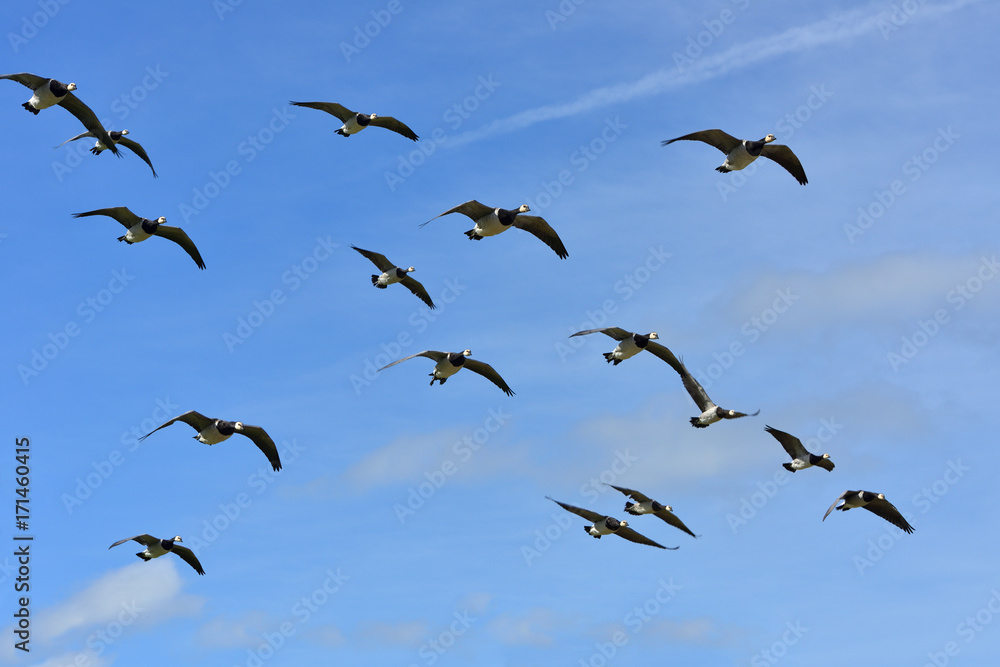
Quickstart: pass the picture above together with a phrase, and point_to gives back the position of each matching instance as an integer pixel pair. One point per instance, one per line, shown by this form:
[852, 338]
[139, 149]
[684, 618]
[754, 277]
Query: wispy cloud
[834, 29]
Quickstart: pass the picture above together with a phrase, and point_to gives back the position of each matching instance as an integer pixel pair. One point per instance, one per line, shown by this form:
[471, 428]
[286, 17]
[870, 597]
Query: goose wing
[264, 443]
[195, 420]
[737, 415]
[79, 136]
[639, 538]
[471, 208]
[888, 511]
[28, 80]
[177, 235]
[793, 446]
[664, 353]
[784, 156]
[834, 505]
[390, 123]
[696, 391]
[338, 110]
[672, 519]
[83, 113]
[717, 138]
[542, 231]
[634, 495]
[377, 259]
[138, 150]
[826, 464]
[579, 511]
[414, 286]
[127, 218]
[430, 354]
[188, 557]
[617, 333]
[144, 539]
[487, 372]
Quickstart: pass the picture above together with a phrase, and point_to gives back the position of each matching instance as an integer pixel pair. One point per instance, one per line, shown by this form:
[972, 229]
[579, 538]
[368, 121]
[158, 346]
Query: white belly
[351, 126]
[388, 278]
[211, 436]
[738, 158]
[489, 225]
[136, 234]
[709, 416]
[43, 98]
[626, 349]
[443, 369]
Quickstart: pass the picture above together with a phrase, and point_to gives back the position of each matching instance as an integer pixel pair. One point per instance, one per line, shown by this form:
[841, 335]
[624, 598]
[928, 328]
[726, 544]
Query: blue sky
[409, 525]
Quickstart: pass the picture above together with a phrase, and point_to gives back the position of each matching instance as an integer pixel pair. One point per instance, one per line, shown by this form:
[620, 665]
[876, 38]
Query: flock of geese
[488, 221]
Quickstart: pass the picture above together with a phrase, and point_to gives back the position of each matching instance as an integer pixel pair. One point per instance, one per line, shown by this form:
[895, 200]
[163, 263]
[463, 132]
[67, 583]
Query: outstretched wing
[487, 372]
[631, 493]
[579, 511]
[793, 446]
[390, 123]
[264, 443]
[639, 538]
[196, 420]
[177, 235]
[672, 519]
[732, 414]
[888, 511]
[414, 286]
[25, 79]
[834, 505]
[377, 259]
[144, 539]
[340, 111]
[701, 398]
[430, 354]
[471, 208]
[127, 218]
[784, 156]
[665, 354]
[138, 150]
[188, 557]
[717, 138]
[542, 231]
[79, 136]
[615, 332]
[89, 119]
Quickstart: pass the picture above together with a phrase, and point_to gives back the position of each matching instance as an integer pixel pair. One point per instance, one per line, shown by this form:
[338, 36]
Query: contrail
[827, 31]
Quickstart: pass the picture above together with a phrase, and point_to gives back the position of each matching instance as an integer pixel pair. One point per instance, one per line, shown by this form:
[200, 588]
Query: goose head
[653, 335]
[238, 426]
[467, 353]
[176, 538]
[372, 116]
[410, 270]
[825, 456]
[71, 86]
[523, 208]
[769, 138]
[162, 219]
[124, 132]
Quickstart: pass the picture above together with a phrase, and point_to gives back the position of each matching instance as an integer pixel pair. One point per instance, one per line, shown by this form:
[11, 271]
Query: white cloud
[534, 628]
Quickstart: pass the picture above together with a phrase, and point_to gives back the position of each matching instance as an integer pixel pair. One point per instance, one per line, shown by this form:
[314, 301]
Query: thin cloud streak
[834, 29]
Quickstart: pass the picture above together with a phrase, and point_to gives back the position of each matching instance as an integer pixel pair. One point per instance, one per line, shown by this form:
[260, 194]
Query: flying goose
[354, 122]
[213, 431]
[155, 547]
[710, 412]
[393, 274]
[606, 525]
[645, 505]
[49, 92]
[739, 154]
[449, 363]
[492, 221]
[874, 503]
[631, 344]
[117, 138]
[801, 459]
[140, 229]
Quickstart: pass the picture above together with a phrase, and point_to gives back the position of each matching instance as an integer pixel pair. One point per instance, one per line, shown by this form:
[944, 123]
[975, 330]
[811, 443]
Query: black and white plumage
[631, 344]
[606, 525]
[740, 153]
[394, 274]
[354, 122]
[213, 431]
[874, 503]
[801, 458]
[116, 138]
[50, 92]
[140, 229]
[645, 505]
[492, 221]
[155, 547]
[710, 412]
[449, 363]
